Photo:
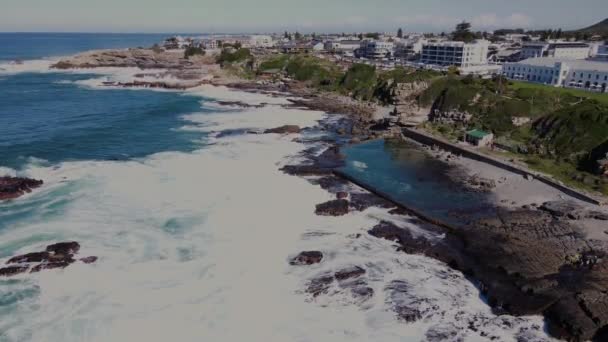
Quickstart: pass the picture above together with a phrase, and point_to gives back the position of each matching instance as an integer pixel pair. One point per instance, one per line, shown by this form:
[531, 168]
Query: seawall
[428, 139]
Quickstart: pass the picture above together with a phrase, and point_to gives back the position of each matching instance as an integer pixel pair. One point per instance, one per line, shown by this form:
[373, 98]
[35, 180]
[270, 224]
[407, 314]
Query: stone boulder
[13, 187]
[307, 258]
[58, 255]
[286, 129]
[337, 207]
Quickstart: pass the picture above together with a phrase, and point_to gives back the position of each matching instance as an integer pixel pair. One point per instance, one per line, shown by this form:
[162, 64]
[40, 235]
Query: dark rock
[349, 273]
[561, 208]
[362, 201]
[64, 248]
[12, 270]
[320, 285]
[342, 195]
[30, 257]
[51, 265]
[287, 129]
[307, 258]
[333, 208]
[13, 187]
[89, 259]
[598, 215]
[407, 306]
[306, 170]
[363, 292]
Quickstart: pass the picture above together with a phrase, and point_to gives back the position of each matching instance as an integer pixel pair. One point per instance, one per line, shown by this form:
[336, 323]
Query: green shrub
[239, 55]
[193, 51]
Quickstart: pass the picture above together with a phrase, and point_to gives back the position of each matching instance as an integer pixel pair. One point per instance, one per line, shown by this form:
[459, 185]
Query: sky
[236, 16]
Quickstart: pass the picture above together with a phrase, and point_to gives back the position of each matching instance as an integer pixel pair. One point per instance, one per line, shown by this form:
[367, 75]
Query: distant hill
[600, 28]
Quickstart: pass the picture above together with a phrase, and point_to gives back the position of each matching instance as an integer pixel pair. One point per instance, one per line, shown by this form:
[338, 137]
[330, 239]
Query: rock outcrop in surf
[58, 255]
[14, 187]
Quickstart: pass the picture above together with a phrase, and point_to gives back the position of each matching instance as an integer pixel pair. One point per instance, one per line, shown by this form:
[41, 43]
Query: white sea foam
[359, 165]
[194, 247]
[36, 65]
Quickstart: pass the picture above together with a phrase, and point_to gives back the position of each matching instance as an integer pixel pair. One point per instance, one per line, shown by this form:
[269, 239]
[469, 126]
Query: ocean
[193, 230]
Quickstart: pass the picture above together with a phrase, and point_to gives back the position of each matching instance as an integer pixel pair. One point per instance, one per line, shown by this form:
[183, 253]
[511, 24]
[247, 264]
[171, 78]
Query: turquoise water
[411, 177]
[47, 116]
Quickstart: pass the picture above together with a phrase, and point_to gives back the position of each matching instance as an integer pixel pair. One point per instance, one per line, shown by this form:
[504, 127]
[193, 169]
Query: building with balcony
[453, 53]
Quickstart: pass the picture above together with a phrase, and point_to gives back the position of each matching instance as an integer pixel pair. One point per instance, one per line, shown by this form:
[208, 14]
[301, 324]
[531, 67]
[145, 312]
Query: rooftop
[476, 133]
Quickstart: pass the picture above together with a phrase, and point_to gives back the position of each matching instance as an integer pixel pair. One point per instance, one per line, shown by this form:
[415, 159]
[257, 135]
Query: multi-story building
[409, 48]
[375, 49]
[453, 53]
[559, 72]
[566, 50]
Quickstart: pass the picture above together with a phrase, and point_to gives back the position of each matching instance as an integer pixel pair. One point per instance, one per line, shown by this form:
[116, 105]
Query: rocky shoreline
[532, 260]
[525, 261]
[15, 187]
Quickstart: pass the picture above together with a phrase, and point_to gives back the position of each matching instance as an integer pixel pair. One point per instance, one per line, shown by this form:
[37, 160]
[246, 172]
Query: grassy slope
[567, 125]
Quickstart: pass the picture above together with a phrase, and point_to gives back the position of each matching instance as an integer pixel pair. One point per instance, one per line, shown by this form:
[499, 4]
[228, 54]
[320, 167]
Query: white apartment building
[566, 50]
[559, 72]
[459, 54]
[376, 49]
[409, 48]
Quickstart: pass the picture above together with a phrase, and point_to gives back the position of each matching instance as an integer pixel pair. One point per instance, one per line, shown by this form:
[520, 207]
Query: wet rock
[58, 255]
[12, 270]
[362, 292]
[30, 257]
[362, 201]
[64, 248]
[320, 285]
[307, 258]
[338, 207]
[51, 265]
[306, 170]
[406, 304]
[13, 187]
[89, 259]
[342, 195]
[441, 333]
[349, 273]
[287, 129]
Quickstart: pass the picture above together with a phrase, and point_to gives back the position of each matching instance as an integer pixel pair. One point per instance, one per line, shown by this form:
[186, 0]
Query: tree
[298, 35]
[558, 33]
[400, 33]
[463, 33]
[287, 35]
[360, 36]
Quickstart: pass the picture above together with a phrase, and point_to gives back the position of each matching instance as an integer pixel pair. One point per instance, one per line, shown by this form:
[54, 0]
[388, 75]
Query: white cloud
[480, 22]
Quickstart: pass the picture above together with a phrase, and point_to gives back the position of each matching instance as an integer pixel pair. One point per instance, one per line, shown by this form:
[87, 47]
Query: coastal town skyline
[238, 16]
